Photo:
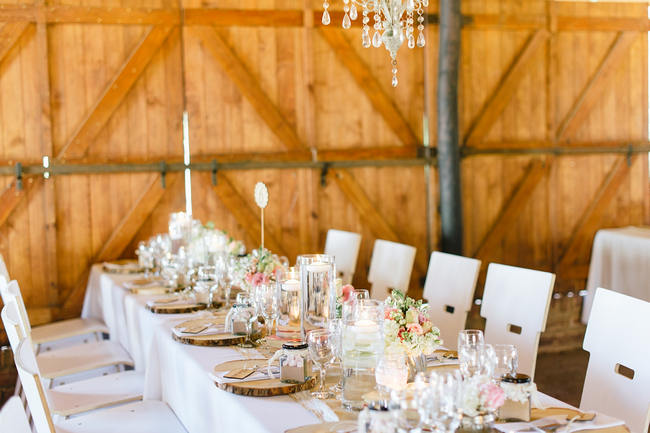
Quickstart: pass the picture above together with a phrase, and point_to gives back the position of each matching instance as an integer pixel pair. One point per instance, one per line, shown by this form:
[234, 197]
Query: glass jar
[239, 315]
[362, 345]
[518, 389]
[295, 366]
[318, 288]
[290, 298]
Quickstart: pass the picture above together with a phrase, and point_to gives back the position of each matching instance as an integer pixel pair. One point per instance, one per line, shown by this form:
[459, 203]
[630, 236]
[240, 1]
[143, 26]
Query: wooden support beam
[592, 91]
[244, 17]
[591, 219]
[114, 93]
[10, 33]
[602, 24]
[11, 197]
[249, 86]
[244, 214]
[122, 234]
[505, 89]
[367, 82]
[537, 170]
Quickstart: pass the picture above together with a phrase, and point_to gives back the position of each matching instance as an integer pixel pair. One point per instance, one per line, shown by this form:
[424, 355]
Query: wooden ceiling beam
[10, 33]
[505, 89]
[367, 82]
[596, 85]
[591, 218]
[114, 93]
[536, 171]
[246, 217]
[249, 86]
[121, 235]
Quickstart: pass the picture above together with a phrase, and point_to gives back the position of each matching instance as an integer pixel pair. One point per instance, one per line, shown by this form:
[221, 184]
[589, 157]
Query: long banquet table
[178, 374]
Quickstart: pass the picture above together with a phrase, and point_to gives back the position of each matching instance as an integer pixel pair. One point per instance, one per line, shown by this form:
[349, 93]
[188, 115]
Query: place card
[240, 373]
[195, 329]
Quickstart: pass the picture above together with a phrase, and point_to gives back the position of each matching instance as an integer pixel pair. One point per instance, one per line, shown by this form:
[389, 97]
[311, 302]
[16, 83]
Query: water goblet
[320, 349]
[268, 298]
[506, 360]
[471, 337]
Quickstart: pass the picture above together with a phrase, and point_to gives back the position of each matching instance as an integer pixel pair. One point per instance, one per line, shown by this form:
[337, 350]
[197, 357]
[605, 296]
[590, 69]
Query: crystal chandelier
[394, 21]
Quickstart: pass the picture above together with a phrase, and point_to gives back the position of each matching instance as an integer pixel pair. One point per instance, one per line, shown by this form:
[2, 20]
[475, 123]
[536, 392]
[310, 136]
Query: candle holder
[318, 291]
[290, 298]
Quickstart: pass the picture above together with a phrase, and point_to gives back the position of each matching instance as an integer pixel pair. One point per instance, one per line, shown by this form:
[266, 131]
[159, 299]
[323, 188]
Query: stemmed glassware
[268, 299]
[470, 337]
[320, 349]
[506, 360]
[335, 326]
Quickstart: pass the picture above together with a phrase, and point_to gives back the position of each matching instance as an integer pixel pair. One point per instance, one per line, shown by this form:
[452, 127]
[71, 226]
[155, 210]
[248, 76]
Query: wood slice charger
[173, 308]
[258, 388]
[208, 340]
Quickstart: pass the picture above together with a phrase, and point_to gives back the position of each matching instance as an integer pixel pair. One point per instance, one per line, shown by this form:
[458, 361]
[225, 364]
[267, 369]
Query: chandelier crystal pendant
[393, 23]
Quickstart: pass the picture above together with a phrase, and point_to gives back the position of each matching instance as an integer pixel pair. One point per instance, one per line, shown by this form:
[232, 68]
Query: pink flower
[388, 312]
[492, 396]
[347, 291]
[258, 278]
[414, 328]
[422, 318]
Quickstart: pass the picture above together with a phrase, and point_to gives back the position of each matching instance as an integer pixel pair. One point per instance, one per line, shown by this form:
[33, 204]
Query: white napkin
[258, 375]
[599, 422]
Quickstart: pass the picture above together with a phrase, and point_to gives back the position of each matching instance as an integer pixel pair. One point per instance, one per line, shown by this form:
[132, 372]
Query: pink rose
[492, 396]
[422, 318]
[414, 328]
[347, 291]
[388, 312]
[257, 279]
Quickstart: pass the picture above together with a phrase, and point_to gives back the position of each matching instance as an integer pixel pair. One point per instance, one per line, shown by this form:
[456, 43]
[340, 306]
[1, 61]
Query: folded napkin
[599, 422]
[260, 374]
[126, 267]
[142, 283]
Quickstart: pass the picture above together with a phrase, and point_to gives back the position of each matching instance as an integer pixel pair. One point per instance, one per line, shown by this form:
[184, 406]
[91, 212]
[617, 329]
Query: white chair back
[12, 324]
[12, 292]
[344, 246]
[515, 306]
[449, 290]
[390, 268]
[13, 417]
[618, 374]
[33, 388]
[3, 269]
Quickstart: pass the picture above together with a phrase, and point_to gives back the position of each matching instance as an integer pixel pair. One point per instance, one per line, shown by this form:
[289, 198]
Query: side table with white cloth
[620, 261]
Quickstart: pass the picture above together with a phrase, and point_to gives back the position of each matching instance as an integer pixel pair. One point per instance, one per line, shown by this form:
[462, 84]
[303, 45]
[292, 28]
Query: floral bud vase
[416, 364]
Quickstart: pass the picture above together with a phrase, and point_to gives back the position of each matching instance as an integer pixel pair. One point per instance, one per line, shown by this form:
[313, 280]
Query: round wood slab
[209, 340]
[174, 308]
[258, 388]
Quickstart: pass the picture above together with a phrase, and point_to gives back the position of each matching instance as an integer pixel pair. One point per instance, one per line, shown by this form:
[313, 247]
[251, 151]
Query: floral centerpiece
[261, 267]
[407, 327]
[481, 396]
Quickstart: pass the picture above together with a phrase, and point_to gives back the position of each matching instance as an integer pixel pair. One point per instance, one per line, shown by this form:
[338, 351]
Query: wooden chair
[390, 268]
[618, 374]
[73, 331]
[83, 395]
[449, 290]
[72, 362]
[515, 305]
[148, 416]
[13, 417]
[344, 246]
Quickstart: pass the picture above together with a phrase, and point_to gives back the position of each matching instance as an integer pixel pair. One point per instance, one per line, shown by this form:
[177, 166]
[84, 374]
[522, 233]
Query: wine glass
[336, 328]
[471, 337]
[506, 360]
[476, 360]
[268, 299]
[391, 372]
[320, 343]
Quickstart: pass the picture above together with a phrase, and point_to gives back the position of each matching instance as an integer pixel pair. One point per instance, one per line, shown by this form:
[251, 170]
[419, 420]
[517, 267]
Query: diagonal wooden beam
[122, 234]
[11, 197]
[10, 33]
[537, 170]
[592, 217]
[114, 93]
[249, 86]
[245, 216]
[367, 82]
[596, 85]
[505, 89]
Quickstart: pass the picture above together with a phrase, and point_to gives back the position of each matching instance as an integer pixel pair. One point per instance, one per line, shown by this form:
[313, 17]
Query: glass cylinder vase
[362, 347]
[318, 291]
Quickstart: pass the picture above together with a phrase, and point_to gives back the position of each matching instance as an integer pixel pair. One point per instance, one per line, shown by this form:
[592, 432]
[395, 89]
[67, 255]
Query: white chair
[344, 246]
[83, 395]
[515, 305]
[4, 273]
[390, 268]
[73, 331]
[449, 291]
[148, 416]
[618, 375]
[13, 418]
[72, 362]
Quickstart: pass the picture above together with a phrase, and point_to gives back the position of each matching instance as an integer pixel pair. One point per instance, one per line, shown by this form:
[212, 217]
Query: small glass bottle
[237, 320]
[295, 366]
[517, 388]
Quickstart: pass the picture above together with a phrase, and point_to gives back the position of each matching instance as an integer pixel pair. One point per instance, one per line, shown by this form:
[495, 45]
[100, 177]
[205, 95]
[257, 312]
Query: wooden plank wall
[535, 74]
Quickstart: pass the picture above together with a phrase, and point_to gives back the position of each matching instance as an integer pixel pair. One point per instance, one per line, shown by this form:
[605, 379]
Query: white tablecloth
[620, 261]
[178, 374]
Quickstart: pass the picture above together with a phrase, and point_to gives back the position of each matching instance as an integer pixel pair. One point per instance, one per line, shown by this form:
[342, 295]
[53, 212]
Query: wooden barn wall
[87, 82]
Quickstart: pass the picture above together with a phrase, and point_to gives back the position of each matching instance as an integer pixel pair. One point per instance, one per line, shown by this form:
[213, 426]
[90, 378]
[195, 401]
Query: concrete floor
[562, 375]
